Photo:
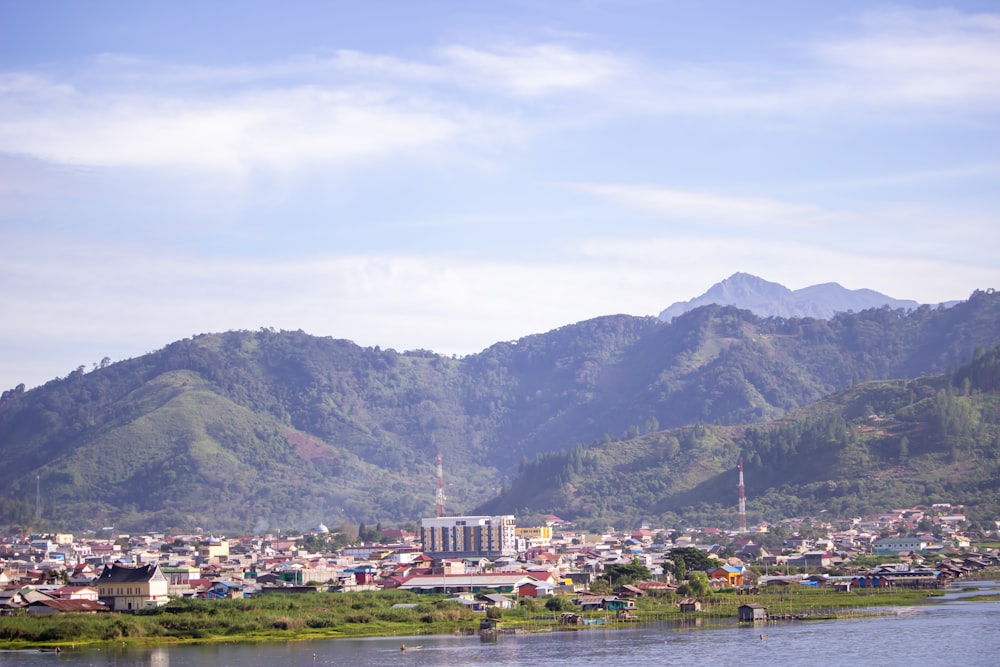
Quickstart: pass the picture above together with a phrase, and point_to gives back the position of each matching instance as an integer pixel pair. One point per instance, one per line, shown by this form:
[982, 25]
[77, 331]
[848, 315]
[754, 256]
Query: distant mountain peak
[765, 298]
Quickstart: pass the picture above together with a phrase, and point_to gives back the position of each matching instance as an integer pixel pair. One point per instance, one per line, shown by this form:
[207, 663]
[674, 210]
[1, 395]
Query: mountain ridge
[766, 299]
[246, 429]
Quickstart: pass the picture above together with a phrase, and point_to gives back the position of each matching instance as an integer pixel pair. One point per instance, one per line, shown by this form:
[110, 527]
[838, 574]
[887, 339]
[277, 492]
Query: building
[214, 548]
[46, 607]
[132, 588]
[752, 613]
[535, 535]
[727, 575]
[688, 605]
[467, 583]
[76, 593]
[469, 536]
[892, 546]
[223, 589]
[604, 602]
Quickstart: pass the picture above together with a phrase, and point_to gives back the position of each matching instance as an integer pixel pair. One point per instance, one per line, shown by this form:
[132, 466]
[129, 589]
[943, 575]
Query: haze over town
[445, 175]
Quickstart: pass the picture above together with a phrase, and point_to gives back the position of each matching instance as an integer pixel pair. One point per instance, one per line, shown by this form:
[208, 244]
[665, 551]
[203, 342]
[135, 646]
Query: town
[487, 562]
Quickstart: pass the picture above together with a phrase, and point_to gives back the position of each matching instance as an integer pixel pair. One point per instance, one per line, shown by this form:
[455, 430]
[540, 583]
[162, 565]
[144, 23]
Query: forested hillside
[876, 446]
[244, 430]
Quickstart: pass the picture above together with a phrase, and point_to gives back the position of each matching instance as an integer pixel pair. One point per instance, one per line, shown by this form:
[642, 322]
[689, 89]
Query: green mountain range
[247, 431]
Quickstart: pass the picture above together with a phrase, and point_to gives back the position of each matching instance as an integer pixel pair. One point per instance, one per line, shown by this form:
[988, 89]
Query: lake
[948, 631]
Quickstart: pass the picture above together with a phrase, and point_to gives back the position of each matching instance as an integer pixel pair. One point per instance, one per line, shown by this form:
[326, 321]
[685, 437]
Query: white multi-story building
[469, 536]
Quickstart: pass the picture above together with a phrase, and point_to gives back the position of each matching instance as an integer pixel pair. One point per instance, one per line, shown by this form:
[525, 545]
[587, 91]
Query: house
[870, 581]
[655, 587]
[213, 548]
[751, 551]
[578, 579]
[465, 583]
[752, 613]
[76, 593]
[604, 602]
[223, 589]
[690, 604]
[132, 588]
[46, 607]
[11, 599]
[897, 545]
[473, 605]
[82, 575]
[629, 591]
[499, 601]
[727, 575]
[812, 559]
[535, 589]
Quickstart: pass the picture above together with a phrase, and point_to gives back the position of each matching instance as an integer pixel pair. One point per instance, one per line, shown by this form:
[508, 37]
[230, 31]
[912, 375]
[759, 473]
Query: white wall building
[469, 536]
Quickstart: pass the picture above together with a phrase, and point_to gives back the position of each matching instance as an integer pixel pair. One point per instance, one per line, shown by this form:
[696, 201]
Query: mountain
[874, 446]
[771, 299]
[246, 430]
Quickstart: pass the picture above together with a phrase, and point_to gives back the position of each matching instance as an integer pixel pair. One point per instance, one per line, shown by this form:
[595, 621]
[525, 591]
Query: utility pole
[440, 487]
[743, 501]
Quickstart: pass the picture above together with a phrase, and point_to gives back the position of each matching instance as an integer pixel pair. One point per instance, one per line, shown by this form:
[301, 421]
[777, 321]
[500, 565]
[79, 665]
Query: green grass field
[331, 615]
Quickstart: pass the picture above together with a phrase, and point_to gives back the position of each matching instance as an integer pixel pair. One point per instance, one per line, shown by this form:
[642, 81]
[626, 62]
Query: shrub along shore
[283, 617]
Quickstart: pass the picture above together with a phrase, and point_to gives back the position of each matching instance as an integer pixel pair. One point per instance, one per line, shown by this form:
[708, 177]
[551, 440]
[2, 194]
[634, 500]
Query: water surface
[947, 631]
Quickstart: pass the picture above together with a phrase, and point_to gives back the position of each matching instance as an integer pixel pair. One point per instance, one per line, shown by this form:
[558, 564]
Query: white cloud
[60, 296]
[535, 70]
[921, 58]
[352, 105]
[902, 231]
[895, 60]
[276, 128]
[720, 209]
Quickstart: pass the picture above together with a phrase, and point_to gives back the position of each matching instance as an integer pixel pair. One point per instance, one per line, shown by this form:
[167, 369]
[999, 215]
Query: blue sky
[445, 175]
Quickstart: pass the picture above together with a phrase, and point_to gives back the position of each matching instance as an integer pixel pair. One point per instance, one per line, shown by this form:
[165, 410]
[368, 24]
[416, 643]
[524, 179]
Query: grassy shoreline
[287, 617]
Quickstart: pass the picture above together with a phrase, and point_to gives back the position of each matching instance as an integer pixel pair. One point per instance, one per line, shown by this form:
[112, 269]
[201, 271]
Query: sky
[445, 175]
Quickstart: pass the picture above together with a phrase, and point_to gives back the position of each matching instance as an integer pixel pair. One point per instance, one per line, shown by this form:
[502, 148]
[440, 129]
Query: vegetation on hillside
[875, 446]
[261, 430]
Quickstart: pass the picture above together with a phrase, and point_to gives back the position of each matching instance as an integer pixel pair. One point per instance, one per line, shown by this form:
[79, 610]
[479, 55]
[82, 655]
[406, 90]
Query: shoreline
[331, 616]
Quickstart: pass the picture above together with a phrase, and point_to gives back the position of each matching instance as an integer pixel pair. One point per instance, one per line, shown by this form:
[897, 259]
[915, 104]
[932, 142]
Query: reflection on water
[950, 631]
[159, 657]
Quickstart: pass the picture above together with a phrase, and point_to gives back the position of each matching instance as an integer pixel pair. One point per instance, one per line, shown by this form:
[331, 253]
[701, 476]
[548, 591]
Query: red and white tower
[743, 502]
[440, 488]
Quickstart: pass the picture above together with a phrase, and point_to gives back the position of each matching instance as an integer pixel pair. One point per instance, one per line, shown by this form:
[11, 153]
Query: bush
[360, 617]
[559, 603]
[288, 623]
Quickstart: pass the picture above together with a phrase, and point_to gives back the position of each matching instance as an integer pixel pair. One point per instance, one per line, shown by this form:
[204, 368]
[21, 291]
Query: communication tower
[440, 488]
[743, 502]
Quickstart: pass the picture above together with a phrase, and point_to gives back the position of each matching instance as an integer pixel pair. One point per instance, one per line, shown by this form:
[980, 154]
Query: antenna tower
[743, 502]
[440, 488]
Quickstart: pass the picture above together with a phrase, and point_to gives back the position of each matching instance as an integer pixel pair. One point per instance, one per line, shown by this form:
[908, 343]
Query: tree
[692, 557]
[620, 574]
[559, 603]
[697, 585]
